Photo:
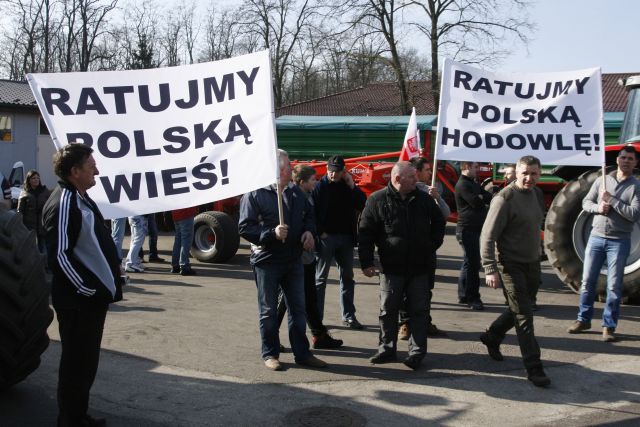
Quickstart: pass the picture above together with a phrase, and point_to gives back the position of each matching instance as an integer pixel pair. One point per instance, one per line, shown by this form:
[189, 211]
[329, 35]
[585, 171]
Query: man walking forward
[512, 228]
[407, 227]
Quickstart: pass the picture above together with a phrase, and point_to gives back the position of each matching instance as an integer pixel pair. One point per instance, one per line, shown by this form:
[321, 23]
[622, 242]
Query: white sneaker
[134, 269]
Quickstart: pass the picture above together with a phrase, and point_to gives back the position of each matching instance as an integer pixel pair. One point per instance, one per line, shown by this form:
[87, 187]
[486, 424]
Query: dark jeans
[310, 302]
[393, 288]
[404, 315]
[520, 285]
[469, 279]
[340, 248]
[269, 279]
[152, 232]
[80, 336]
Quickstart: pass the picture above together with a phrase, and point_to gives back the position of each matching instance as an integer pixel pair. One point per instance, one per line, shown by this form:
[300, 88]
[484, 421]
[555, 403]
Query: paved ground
[185, 352]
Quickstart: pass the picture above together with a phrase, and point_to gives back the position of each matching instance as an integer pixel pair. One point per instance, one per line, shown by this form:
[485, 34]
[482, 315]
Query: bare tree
[190, 29]
[471, 30]
[279, 25]
[381, 17]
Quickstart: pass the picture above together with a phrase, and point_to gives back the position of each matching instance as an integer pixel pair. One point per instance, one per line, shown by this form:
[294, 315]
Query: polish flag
[411, 146]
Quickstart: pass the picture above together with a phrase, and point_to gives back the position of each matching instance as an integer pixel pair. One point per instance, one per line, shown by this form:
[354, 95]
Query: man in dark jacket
[276, 251]
[337, 201]
[407, 227]
[472, 202]
[86, 279]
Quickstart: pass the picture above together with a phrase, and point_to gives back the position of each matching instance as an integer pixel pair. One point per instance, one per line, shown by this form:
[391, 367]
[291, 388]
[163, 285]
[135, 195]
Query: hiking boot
[273, 364]
[493, 347]
[352, 323]
[538, 377]
[312, 362]
[578, 327]
[413, 361]
[380, 358]
[325, 341]
[608, 334]
[433, 331]
[403, 332]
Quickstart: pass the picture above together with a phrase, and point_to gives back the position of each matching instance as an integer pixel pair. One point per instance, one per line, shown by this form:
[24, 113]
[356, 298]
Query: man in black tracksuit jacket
[407, 227]
[86, 278]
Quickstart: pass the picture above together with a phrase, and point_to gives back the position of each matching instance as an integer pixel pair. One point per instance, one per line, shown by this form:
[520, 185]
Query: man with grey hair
[512, 229]
[407, 227]
[276, 251]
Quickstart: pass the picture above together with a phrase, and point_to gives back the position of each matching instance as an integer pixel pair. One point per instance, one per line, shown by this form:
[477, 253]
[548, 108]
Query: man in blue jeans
[276, 251]
[616, 209]
[472, 202]
[337, 201]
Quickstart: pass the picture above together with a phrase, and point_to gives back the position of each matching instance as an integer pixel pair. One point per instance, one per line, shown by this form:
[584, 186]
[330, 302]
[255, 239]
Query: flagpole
[434, 165]
[275, 140]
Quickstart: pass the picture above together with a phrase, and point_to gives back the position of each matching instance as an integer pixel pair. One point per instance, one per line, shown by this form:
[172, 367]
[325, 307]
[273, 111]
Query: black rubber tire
[215, 237]
[559, 238]
[25, 314]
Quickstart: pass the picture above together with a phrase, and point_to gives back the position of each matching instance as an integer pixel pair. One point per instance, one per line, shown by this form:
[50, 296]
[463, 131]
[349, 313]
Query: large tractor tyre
[567, 230]
[25, 314]
[215, 237]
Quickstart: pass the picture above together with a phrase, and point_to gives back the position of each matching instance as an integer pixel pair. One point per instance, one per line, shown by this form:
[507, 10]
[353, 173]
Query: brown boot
[608, 334]
[403, 332]
[578, 327]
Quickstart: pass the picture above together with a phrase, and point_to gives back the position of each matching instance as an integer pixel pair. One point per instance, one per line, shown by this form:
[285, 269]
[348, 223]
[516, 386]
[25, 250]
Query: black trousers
[520, 283]
[310, 302]
[80, 335]
[431, 274]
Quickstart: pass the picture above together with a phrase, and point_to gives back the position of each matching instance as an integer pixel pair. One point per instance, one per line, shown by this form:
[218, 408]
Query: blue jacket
[259, 218]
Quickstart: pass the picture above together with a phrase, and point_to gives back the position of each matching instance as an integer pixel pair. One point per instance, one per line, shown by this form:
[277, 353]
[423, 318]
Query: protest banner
[499, 117]
[167, 138]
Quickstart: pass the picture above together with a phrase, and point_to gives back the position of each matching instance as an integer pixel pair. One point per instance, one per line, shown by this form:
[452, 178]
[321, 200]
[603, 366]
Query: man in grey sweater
[616, 209]
[512, 227]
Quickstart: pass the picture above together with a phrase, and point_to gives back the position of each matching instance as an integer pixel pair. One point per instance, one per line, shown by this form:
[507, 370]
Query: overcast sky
[574, 34]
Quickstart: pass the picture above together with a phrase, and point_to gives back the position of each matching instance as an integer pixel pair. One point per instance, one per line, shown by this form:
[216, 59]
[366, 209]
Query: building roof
[16, 94]
[383, 99]
[375, 99]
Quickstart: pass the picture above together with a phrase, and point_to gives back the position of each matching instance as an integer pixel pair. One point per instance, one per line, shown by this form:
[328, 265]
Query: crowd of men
[405, 222]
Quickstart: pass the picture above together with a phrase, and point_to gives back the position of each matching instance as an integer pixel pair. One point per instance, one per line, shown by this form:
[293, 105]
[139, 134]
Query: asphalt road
[184, 351]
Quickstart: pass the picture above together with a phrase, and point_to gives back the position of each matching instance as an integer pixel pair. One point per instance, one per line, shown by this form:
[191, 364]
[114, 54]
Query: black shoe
[175, 269]
[538, 377]
[476, 305]
[492, 347]
[325, 341]
[433, 331]
[462, 300]
[413, 361]
[155, 258]
[282, 349]
[89, 421]
[187, 271]
[352, 323]
[380, 358]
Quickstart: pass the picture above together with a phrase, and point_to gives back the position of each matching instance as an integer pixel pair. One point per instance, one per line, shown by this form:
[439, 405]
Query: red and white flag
[411, 146]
